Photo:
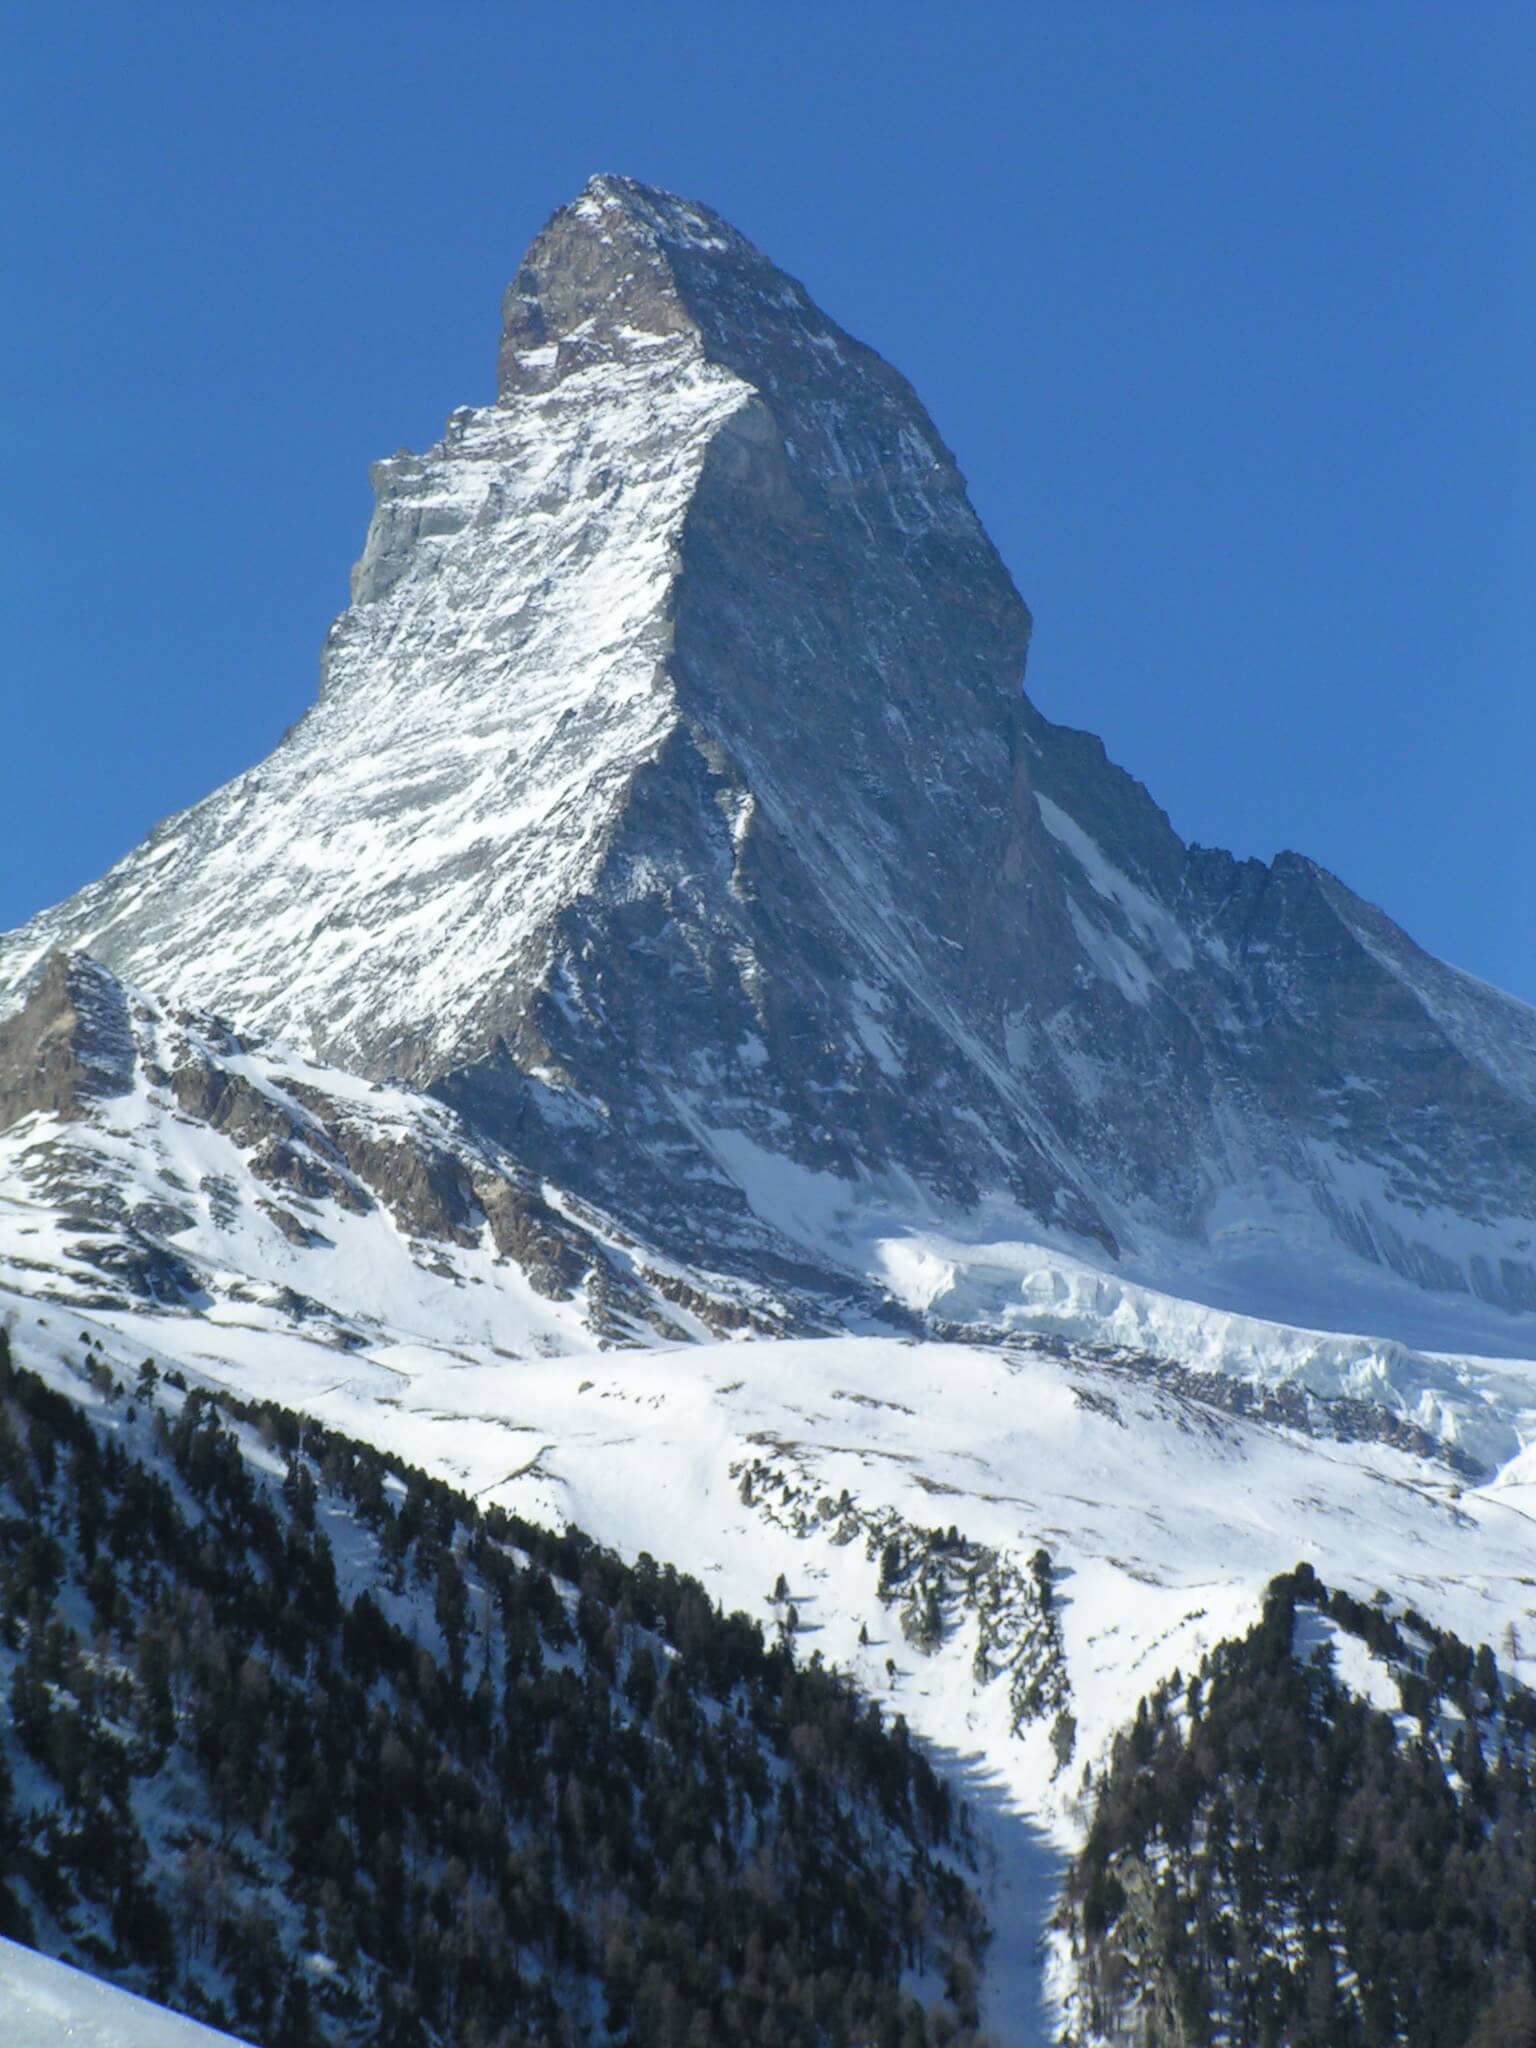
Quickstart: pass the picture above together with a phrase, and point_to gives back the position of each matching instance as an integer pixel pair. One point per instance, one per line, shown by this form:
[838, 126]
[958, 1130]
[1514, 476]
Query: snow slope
[1161, 1516]
[44, 2004]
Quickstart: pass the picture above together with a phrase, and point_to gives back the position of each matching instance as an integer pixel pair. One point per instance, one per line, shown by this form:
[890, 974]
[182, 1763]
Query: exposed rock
[143, 1268]
[296, 1232]
[425, 1189]
[721, 1317]
[67, 1046]
[284, 1164]
[229, 1102]
[523, 1228]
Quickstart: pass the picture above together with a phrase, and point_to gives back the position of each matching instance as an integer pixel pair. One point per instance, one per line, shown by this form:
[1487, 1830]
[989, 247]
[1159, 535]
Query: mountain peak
[625, 266]
[667, 215]
[621, 265]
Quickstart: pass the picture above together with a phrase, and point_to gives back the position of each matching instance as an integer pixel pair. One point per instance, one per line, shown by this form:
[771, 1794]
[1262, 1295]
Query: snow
[1143, 913]
[1164, 1518]
[45, 2003]
[1368, 1677]
[806, 1205]
[872, 1033]
[486, 700]
[993, 1268]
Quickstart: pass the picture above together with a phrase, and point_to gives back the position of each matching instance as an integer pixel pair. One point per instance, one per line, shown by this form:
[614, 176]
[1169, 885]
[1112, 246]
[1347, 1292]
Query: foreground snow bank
[43, 2004]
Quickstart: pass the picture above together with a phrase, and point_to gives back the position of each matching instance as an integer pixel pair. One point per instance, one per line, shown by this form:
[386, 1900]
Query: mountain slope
[671, 806]
[312, 1746]
[1326, 1838]
[1006, 1545]
[150, 1156]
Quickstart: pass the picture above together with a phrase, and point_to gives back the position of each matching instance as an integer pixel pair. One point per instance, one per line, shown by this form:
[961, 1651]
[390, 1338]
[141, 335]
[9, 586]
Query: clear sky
[1226, 308]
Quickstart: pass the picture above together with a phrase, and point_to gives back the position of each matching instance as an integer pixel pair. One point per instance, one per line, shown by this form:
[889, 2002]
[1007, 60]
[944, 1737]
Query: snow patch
[44, 2004]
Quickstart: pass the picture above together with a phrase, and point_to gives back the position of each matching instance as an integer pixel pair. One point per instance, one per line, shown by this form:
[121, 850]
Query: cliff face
[672, 807]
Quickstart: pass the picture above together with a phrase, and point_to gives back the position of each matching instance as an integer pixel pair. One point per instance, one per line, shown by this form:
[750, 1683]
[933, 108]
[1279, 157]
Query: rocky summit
[672, 812]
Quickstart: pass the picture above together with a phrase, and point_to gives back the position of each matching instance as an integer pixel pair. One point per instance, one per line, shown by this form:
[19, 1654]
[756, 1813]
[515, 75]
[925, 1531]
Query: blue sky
[1226, 308]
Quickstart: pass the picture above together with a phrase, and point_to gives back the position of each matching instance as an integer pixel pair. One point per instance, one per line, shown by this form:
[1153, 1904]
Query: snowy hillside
[306, 1743]
[1006, 1545]
[1322, 1835]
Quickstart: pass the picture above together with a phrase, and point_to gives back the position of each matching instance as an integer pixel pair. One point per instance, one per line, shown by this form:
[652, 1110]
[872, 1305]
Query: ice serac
[672, 807]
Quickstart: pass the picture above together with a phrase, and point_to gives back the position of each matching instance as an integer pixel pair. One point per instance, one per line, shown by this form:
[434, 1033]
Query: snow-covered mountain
[675, 1042]
[671, 806]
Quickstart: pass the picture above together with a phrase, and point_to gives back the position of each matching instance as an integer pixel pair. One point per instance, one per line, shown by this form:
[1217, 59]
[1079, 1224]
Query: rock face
[155, 1158]
[672, 808]
[68, 1046]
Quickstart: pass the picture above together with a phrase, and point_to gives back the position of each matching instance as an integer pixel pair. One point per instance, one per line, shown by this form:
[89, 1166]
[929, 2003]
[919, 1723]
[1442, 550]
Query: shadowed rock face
[673, 808]
[68, 1046]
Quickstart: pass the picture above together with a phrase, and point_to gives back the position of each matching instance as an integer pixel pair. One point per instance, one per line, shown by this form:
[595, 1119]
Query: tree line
[506, 1790]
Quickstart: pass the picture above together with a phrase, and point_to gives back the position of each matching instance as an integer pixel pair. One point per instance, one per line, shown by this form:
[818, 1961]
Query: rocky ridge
[158, 1158]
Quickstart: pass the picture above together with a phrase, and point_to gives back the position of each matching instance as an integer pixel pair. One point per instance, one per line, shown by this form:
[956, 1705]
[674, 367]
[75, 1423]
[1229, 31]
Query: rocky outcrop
[181, 1164]
[525, 1229]
[67, 1046]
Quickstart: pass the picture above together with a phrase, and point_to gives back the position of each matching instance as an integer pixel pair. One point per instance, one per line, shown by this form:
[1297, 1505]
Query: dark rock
[427, 1191]
[69, 1045]
[526, 1230]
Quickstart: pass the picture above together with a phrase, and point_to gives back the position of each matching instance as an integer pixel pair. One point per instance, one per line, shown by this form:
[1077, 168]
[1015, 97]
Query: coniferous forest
[1272, 1860]
[304, 1743]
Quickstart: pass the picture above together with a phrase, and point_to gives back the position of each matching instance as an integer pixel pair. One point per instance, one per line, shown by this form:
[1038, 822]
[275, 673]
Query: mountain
[672, 809]
[675, 1046]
